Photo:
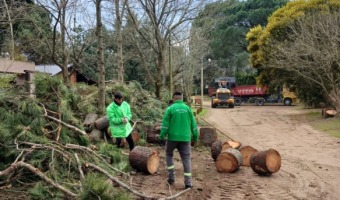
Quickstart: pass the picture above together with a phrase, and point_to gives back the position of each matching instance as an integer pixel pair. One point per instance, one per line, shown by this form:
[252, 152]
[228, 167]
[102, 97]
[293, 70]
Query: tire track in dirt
[309, 159]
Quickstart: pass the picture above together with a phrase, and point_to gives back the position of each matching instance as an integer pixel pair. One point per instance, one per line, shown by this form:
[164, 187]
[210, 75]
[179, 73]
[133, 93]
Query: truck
[260, 95]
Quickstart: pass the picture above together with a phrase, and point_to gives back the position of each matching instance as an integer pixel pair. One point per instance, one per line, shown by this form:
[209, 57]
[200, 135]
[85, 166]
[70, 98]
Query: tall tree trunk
[63, 42]
[118, 25]
[11, 31]
[158, 83]
[100, 61]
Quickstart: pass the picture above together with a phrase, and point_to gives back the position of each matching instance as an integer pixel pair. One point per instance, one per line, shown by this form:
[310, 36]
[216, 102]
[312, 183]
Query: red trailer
[260, 95]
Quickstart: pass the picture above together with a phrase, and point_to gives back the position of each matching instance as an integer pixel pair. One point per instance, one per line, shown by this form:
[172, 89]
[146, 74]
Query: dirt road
[310, 167]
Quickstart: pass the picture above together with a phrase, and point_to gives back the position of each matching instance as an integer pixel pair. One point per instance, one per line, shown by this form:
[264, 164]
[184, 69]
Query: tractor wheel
[231, 105]
[259, 101]
[287, 102]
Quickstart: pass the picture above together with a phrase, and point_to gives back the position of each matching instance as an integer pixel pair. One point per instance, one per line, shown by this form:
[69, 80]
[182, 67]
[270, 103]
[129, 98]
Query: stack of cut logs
[230, 155]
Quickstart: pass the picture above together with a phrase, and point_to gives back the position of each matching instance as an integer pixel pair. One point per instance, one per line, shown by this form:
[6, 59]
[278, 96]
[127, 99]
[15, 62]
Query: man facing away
[179, 125]
[119, 114]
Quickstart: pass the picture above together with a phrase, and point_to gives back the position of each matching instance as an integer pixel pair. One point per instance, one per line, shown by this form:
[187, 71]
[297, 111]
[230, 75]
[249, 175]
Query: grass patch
[330, 126]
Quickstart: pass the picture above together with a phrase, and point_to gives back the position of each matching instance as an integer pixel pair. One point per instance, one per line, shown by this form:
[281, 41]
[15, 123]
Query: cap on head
[118, 95]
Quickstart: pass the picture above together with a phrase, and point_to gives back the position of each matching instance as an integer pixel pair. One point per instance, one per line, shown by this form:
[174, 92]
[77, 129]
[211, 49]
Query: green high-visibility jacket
[115, 114]
[179, 123]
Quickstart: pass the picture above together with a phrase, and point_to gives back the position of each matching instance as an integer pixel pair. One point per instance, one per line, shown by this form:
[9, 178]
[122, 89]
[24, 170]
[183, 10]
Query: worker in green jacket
[119, 114]
[179, 125]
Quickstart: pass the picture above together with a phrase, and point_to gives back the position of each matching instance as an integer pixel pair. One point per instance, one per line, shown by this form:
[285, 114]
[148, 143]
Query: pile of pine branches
[44, 145]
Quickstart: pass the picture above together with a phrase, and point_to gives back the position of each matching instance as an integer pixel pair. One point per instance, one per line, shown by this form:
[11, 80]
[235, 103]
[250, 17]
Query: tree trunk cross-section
[247, 152]
[144, 159]
[207, 136]
[265, 162]
[234, 144]
[229, 160]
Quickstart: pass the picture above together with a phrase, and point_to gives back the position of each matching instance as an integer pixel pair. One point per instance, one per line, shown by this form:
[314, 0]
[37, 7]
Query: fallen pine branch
[59, 121]
[73, 146]
[36, 171]
[130, 189]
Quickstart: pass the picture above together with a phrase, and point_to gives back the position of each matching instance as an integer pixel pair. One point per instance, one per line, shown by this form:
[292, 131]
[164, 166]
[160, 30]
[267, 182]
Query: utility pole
[202, 83]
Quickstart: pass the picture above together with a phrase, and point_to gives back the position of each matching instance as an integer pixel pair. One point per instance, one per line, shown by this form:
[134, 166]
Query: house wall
[73, 77]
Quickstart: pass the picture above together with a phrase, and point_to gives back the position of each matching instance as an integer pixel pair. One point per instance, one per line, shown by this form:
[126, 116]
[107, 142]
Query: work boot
[188, 186]
[170, 181]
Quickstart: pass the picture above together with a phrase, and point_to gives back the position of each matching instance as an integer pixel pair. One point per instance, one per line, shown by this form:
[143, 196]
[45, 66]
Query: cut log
[265, 162]
[216, 149]
[328, 112]
[89, 122]
[207, 136]
[135, 136]
[229, 160]
[247, 152]
[90, 119]
[144, 159]
[225, 146]
[234, 144]
[102, 123]
[152, 134]
[95, 135]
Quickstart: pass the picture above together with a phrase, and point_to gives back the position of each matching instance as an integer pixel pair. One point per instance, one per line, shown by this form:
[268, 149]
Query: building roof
[49, 68]
[13, 66]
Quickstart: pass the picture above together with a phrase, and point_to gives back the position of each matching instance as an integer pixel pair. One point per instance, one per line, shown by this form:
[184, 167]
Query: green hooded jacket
[179, 123]
[115, 114]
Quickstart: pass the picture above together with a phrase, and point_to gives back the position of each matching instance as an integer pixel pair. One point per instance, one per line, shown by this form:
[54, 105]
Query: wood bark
[102, 123]
[216, 148]
[229, 160]
[207, 136]
[152, 134]
[265, 162]
[90, 119]
[144, 159]
[247, 152]
[95, 135]
[100, 58]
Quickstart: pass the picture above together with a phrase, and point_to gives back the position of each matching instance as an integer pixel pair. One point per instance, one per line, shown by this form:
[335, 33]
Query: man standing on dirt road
[119, 115]
[179, 125]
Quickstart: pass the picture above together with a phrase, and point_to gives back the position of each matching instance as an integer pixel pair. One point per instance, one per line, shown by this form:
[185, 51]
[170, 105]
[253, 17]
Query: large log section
[265, 162]
[101, 123]
[247, 152]
[144, 159]
[229, 160]
[207, 136]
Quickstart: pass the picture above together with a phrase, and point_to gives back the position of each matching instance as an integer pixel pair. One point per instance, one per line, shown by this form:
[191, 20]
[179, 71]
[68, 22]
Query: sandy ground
[310, 167]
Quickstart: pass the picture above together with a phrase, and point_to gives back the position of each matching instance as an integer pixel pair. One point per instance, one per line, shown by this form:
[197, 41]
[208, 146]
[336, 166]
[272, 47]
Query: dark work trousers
[128, 139]
[184, 149]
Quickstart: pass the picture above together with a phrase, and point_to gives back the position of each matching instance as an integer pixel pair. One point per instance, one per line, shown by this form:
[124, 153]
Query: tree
[162, 18]
[300, 45]
[226, 24]
[312, 53]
